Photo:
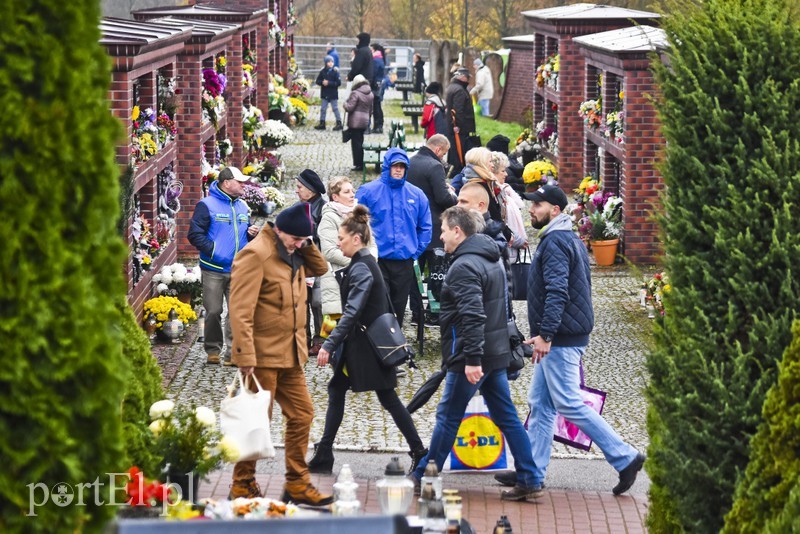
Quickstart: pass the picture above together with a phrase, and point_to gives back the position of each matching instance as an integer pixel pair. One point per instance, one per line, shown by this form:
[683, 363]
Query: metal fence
[309, 53]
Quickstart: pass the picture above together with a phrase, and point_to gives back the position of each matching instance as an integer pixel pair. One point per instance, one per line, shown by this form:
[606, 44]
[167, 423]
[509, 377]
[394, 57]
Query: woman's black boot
[416, 457]
[322, 461]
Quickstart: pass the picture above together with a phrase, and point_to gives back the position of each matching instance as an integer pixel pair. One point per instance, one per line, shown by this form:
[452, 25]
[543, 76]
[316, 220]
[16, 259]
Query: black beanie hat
[296, 220]
[312, 181]
[498, 143]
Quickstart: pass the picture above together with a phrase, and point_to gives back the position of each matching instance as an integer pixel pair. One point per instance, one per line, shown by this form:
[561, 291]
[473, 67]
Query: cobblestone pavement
[614, 361]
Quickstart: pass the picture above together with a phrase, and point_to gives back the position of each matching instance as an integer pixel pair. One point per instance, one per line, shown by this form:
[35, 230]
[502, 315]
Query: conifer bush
[142, 389]
[774, 468]
[61, 382]
[730, 95]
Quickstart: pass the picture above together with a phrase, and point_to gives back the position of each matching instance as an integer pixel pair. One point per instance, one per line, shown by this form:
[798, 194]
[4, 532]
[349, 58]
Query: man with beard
[561, 319]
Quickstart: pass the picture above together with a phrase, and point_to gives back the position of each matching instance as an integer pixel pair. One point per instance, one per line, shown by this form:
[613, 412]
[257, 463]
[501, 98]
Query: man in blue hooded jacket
[219, 229]
[401, 222]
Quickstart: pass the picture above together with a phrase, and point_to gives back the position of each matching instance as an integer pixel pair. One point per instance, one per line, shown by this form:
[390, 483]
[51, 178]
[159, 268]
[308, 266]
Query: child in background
[329, 80]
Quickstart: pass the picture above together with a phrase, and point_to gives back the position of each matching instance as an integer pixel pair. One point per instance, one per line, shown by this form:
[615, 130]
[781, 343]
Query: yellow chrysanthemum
[135, 113]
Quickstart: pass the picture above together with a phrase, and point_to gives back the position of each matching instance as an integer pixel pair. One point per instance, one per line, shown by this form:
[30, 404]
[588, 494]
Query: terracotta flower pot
[605, 252]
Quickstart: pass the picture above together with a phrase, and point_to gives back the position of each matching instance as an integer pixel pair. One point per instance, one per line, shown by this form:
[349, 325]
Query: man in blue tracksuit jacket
[219, 229]
[401, 222]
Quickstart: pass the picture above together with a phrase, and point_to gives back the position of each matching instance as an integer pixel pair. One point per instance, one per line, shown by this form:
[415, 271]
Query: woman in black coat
[364, 296]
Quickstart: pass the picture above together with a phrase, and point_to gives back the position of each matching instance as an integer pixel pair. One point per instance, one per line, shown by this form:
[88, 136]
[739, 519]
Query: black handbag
[346, 133]
[519, 275]
[519, 350]
[387, 340]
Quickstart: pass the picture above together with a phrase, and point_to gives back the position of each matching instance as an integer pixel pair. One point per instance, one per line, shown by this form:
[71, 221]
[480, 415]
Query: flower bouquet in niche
[273, 133]
[547, 72]
[590, 112]
[188, 443]
[615, 125]
[253, 197]
[604, 227]
[538, 173]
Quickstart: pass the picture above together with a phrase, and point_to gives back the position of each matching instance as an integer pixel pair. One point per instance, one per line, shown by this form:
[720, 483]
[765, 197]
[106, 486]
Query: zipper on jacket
[235, 228]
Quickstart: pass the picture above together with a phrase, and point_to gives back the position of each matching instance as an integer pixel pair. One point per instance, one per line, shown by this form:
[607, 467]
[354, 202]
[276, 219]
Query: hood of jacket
[480, 244]
[393, 155]
[561, 222]
[363, 39]
[436, 100]
[215, 190]
[362, 85]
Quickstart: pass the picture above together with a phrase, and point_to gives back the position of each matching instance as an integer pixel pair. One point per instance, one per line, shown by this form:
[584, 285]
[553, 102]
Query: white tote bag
[244, 418]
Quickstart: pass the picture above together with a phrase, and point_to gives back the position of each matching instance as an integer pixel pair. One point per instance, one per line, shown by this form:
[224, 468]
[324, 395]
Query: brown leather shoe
[247, 488]
[213, 359]
[305, 494]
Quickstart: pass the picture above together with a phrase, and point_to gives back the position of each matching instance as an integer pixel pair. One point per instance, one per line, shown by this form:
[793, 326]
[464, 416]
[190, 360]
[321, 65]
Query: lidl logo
[479, 444]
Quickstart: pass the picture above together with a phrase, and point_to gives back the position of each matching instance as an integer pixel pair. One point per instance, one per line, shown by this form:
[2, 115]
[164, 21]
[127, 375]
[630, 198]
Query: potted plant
[177, 281]
[159, 307]
[605, 227]
[538, 173]
[188, 443]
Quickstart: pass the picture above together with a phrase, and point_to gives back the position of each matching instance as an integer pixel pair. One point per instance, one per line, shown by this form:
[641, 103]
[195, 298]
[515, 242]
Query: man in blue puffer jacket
[219, 229]
[401, 221]
[561, 318]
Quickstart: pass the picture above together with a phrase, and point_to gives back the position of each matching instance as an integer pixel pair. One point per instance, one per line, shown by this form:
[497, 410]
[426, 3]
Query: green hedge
[142, 388]
[729, 114]
[774, 468]
[61, 378]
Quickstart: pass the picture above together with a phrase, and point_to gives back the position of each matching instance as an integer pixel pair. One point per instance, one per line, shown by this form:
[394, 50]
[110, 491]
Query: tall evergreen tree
[731, 91]
[61, 382]
[774, 468]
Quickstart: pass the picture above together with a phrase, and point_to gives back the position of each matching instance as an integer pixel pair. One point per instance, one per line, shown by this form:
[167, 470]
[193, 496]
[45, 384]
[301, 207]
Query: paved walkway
[578, 497]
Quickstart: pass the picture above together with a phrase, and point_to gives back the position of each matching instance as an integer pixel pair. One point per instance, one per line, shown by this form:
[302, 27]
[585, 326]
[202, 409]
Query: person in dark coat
[419, 74]
[364, 297]
[331, 51]
[329, 81]
[499, 143]
[362, 60]
[475, 347]
[378, 74]
[426, 170]
[463, 126]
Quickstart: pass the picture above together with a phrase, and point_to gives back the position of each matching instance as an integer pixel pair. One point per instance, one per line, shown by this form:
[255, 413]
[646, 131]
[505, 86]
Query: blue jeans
[324, 111]
[457, 394]
[555, 387]
[484, 104]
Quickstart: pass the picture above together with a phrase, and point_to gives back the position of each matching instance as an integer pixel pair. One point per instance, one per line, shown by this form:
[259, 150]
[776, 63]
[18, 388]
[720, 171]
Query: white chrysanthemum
[157, 426]
[196, 270]
[205, 416]
[178, 276]
[162, 408]
[157, 278]
[166, 278]
[162, 288]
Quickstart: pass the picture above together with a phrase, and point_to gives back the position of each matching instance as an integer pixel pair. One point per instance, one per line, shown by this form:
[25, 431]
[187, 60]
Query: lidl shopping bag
[479, 445]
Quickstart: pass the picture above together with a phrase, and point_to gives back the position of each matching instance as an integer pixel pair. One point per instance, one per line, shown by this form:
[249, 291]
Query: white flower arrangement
[176, 279]
[273, 194]
[273, 133]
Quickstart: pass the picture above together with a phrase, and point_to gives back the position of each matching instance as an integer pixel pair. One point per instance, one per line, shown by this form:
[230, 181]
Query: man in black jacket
[457, 99]
[561, 318]
[362, 62]
[426, 170]
[475, 346]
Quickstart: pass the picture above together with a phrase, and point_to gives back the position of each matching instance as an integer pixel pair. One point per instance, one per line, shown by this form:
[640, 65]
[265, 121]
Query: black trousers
[357, 146]
[399, 278]
[415, 296]
[377, 110]
[337, 389]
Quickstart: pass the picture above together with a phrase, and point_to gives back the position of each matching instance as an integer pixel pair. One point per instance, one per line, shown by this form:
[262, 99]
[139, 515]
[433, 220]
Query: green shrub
[730, 95]
[142, 389]
[774, 468]
[61, 382]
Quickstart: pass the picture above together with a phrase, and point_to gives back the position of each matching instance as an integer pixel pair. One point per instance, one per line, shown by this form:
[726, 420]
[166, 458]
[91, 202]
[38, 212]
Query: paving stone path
[614, 361]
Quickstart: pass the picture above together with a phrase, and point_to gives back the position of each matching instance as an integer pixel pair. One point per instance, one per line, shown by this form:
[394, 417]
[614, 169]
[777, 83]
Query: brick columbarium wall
[218, 31]
[144, 57]
[553, 31]
[623, 59]
[518, 91]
